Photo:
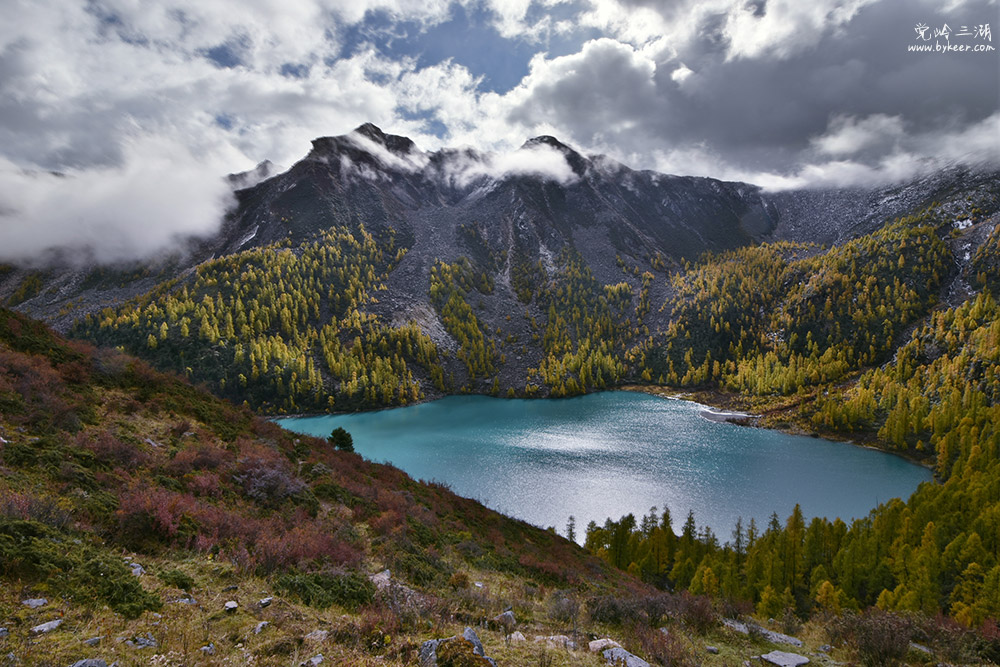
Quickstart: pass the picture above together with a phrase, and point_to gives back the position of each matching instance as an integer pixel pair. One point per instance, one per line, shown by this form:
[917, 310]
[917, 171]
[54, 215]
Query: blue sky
[141, 106]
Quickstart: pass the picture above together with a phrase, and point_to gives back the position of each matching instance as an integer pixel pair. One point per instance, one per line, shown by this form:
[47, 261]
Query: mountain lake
[607, 454]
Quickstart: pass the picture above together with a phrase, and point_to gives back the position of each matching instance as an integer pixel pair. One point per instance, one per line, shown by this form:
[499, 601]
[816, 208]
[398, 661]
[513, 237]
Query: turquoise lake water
[605, 455]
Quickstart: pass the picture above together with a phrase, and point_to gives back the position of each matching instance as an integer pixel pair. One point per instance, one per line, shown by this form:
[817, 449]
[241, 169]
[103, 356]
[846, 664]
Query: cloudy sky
[118, 117]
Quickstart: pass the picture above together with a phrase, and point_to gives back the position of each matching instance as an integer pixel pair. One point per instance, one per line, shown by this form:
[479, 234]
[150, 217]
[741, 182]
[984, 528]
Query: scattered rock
[137, 570]
[477, 584]
[318, 636]
[4, 632]
[152, 443]
[143, 642]
[712, 649]
[555, 641]
[920, 648]
[46, 627]
[599, 645]
[90, 662]
[208, 650]
[232, 605]
[428, 653]
[187, 599]
[470, 636]
[93, 641]
[313, 661]
[779, 638]
[382, 580]
[825, 648]
[516, 636]
[784, 659]
[260, 627]
[265, 602]
[230, 588]
[466, 647]
[34, 603]
[619, 656]
[505, 620]
[736, 625]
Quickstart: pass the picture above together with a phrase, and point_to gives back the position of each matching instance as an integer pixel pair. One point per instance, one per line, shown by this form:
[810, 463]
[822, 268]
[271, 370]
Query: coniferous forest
[854, 337]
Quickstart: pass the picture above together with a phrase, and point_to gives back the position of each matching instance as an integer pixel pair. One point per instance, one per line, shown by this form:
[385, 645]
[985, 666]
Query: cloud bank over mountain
[144, 107]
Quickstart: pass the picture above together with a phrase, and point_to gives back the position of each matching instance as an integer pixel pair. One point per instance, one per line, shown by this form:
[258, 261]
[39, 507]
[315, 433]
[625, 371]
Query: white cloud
[779, 92]
[161, 193]
[848, 135]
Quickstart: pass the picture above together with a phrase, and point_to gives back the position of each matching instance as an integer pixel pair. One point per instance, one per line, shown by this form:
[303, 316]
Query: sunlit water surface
[608, 454]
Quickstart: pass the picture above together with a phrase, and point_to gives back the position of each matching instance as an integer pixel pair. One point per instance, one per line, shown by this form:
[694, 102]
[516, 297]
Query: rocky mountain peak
[577, 162]
[395, 143]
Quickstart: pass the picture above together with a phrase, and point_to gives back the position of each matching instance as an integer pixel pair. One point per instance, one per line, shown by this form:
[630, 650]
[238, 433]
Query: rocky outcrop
[784, 659]
[464, 650]
[599, 645]
[619, 657]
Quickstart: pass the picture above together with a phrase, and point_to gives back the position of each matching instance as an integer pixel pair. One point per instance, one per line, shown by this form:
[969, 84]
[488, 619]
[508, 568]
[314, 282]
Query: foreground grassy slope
[104, 458]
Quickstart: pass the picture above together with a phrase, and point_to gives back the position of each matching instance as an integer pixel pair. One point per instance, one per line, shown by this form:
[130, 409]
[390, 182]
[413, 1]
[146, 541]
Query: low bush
[880, 638]
[34, 552]
[322, 590]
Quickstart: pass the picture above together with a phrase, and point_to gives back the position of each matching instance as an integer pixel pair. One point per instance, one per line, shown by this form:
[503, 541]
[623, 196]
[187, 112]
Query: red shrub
[111, 451]
[205, 484]
[146, 513]
[201, 456]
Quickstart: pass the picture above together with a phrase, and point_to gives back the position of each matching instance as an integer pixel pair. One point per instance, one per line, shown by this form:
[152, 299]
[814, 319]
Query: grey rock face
[140, 642]
[46, 627]
[784, 659]
[34, 603]
[473, 638]
[619, 656]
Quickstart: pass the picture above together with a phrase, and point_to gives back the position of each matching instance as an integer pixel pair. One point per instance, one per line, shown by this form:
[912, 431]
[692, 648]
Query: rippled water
[608, 454]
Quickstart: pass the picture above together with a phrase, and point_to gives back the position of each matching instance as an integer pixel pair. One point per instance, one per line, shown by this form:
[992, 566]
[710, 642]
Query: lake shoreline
[718, 407]
[610, 453]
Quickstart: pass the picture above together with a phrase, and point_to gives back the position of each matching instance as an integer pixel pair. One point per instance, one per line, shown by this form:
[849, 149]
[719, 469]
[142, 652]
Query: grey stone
[599, 645]
[736, 625]
[774, 637]
[90, 662]
[619, 656]
[265, 602]
[920, 649]
[187, 599]
[506, 620]
[318, 635]
[784, 659]
[230, 588]
[382, 580]
[428, 653]
[137, 570]
[260, 627]
[34, 603]
[516, 637]
[555, 641]
[46, 627]
[93, 641]
[825, 648]
[232, 605]
[712, 649]
[4, 632]
[143, 642]
[477, 646]
[209, 649]
[313, 661]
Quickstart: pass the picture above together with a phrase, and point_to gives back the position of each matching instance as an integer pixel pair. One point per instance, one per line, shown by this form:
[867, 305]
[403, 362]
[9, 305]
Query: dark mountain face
[600, 207]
